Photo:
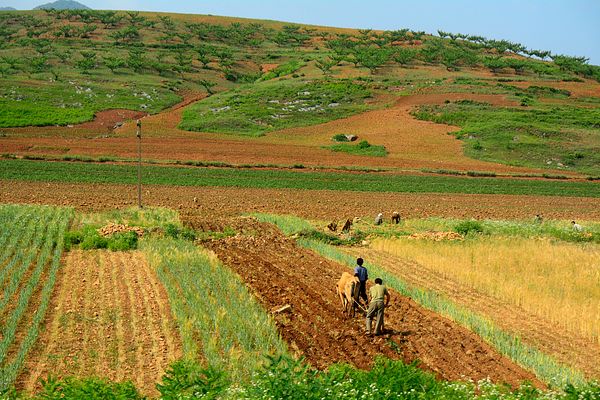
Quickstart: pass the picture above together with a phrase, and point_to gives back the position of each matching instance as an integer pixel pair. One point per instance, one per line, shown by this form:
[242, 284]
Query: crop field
[31, 253]
[256, 136]
[110, 317]
[289, 179]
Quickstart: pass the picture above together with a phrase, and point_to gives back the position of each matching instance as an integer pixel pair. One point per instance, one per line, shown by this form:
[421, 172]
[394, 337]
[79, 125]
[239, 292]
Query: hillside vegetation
[59, 67]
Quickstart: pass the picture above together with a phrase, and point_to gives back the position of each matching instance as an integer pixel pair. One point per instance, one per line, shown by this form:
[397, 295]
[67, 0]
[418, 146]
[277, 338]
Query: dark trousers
[362, 292]
[375, 311]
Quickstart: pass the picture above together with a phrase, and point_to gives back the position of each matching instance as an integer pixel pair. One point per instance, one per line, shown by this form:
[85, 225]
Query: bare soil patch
[109, 316]
[567, 347]
[314, 204]
[281, 273]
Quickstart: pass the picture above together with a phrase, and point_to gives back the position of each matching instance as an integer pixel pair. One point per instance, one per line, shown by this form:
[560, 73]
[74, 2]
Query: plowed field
[110, 317]
[314, 204]
[567, 347]
[280, 273]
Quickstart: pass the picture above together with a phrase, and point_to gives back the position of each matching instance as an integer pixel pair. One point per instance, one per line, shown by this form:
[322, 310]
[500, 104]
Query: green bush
[88, 388]
[187, 380]
[178, 232]
[88, 238]
[363, 148]
[340, 137]
[466, 227]
[123, 241]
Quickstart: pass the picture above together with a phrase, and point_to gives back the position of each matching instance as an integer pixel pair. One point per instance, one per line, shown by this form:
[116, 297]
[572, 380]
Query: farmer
[379, 219]
[363, 275]
[577, 227]
[377, 305]
[538, 219]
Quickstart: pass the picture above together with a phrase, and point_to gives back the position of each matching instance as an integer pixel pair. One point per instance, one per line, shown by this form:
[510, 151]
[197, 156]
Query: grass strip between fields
[543, 365]
[26, 170]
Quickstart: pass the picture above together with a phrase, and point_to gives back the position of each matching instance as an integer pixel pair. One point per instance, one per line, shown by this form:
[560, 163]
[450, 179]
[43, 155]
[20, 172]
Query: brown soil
[109, 316]
[412, 144]
[281, 273]
[567, 347]
[314, 204]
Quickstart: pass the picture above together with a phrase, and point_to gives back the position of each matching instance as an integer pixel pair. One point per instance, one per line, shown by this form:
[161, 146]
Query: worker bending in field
[363, 275]
[378, 293]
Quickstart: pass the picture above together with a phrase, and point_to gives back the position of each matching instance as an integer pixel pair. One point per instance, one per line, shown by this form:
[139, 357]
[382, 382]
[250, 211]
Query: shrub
[177, 232]
[88, 388]
[123, 241]
[340, 137]
[186, 379]
[466, 227]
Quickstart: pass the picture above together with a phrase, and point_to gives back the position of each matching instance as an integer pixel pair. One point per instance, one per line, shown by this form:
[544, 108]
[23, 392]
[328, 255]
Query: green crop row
[219, 320]
[24, 170]
[42, 241]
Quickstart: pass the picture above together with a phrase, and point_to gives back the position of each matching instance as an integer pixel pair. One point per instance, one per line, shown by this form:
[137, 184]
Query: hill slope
[63, 5]
[63, 67]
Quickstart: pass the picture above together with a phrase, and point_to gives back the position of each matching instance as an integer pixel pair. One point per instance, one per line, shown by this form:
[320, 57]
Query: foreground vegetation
[31, 239]
[232, 349]
[287, 378]
[25, 170]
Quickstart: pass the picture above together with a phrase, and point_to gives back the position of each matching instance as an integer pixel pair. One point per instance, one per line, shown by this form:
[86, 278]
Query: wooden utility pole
[139, 136]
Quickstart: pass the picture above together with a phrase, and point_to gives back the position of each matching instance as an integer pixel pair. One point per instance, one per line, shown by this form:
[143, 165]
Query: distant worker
[379, 219]
[395, 217]
[577, 227]
[376, 307]
[363, 275]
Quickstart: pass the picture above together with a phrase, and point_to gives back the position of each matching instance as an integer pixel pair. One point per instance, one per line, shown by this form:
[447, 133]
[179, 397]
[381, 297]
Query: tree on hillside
[519, 65]
[135, 18]
[207, 86]
[404, 55]
[569, 63]
[87, 63]
[184, 61]
[371, 57]
[325, 65]
[495, 64]
[136, 60]
[113, 63]
[38, 64]
[64, 55]
[225, 57]
[128, 34]
[204, 54]
[110, 19]
[11, 62]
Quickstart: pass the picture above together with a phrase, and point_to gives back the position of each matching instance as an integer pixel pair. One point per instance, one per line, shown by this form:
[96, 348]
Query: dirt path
[314, 204]
[109, 316]
[567, 347]
[280, 273]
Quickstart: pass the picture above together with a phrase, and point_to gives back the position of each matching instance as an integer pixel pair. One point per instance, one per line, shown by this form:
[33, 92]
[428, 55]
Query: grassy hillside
[59, 67]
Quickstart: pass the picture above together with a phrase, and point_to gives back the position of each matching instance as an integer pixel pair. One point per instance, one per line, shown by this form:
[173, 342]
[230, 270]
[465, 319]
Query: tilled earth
[310, 204]
[280, 273]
